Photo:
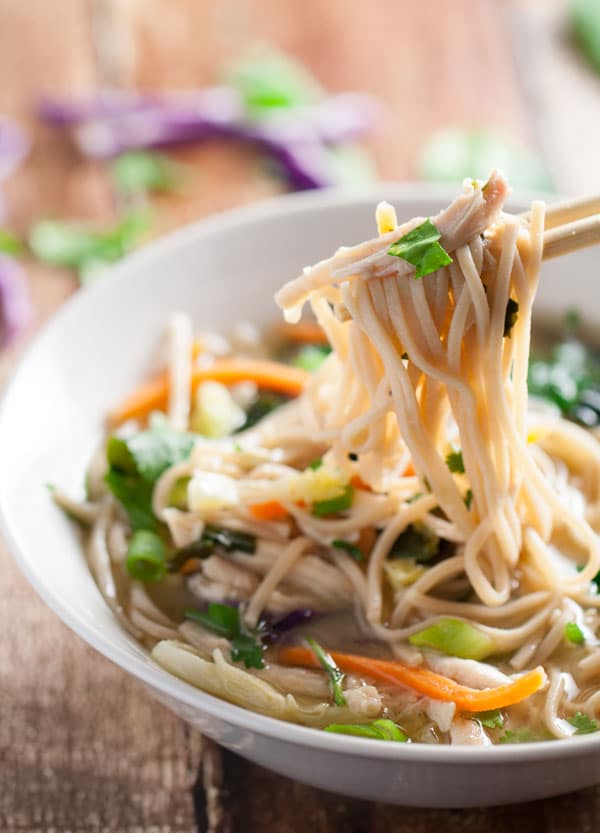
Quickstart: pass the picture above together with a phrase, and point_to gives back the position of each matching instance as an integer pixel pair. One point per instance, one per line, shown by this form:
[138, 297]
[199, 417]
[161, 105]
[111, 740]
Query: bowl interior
[221, 271]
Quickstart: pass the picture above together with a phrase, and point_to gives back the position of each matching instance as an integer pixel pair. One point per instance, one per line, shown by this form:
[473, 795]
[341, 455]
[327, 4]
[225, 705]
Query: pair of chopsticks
[571, 225]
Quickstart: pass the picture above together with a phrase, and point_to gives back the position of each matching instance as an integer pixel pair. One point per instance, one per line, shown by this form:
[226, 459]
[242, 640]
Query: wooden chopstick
[570, 237]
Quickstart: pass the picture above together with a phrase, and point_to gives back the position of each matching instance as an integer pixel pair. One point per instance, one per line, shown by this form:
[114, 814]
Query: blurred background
[122, 119]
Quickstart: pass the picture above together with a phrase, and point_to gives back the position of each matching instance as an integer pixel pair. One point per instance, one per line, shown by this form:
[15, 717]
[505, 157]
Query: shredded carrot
[271, 510]
[409, 471]
[358, 483]
[153, 395]
[192, 565]
[427, 682]
[304, 332]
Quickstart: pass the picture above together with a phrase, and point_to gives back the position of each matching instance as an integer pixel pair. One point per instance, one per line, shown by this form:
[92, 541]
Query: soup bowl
[224, 270]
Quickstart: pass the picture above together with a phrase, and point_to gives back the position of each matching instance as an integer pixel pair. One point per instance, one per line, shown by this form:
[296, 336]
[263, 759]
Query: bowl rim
[157, 677]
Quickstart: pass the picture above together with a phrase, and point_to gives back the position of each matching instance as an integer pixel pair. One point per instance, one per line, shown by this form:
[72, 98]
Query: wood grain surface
[82, 746]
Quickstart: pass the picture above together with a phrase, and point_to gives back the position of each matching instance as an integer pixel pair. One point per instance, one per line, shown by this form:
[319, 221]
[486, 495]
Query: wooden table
[82, 747]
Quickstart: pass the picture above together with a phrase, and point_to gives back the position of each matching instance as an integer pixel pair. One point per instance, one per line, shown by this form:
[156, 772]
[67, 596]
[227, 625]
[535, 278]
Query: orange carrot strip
[304, 332]
[425, 681]
[153, 395]
[271, 510]
[192, 565]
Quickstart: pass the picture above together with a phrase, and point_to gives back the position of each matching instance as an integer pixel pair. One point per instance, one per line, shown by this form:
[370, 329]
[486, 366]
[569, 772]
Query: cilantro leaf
[455, 462]
[418, 542]
[382, 729]
[491, 720]
[524, 735]
[141, 170]
[327, 663]
[135, 496]
[468, 498]
[510, 316]
[150, 453]
[224, 620]
[585, 725]
[574, 633]
[421, 248]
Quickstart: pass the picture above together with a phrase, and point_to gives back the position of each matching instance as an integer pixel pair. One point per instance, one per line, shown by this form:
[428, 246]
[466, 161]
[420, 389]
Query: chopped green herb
[574, 633]
[468, 498]
[224, 620]
[198, 549]
[146, 556]
[84, 249]
[418, 542]
[9, 244]
[382, 729]
[421, 248]
[150, 453]
[316, 464]
[455, 638]
[311, 357]
[518, 736]
[336, 677]
[491, 720]
[455, 462]
[143, 170]
[571, 321]
[349, 547]
[264, 403]
[135, 496]
[585, 725]
[510, 316]
[322, 508]
[221, 619]
[247, 649]
[272, 81]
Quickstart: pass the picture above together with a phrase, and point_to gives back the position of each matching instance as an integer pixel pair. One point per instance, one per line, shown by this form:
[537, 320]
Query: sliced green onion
[141, 170]
[574, 633]
[146, 556]
[311, 357]
[322, 508]
[377, 730]
[420, 247]
[230, 539]
[348, 547]
[455, 462]
[328, 665]
[455, 638]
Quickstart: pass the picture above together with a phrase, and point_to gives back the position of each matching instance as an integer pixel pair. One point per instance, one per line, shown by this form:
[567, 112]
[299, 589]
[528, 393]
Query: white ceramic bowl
[221, 271]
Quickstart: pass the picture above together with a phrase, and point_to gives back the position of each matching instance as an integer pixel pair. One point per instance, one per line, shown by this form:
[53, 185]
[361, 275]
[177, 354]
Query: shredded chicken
[471, 213]
[467, 732]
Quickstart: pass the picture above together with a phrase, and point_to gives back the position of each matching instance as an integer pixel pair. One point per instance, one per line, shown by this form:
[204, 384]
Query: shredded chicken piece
[468, 672]
[298, 681]
[364, 701]
[467, 732]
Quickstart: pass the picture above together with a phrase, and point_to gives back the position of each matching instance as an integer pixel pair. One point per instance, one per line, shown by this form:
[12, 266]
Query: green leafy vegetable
[336, 677]
[510, 316]
[225, 621]
[585, 725]
[333, 505]
[518, 736]
[418, 542]
[316, 464]
[454, 154]
[455, 462]
[264, 403]
[348, 547]
[146, 556]
[84, 249]
[136, 463]
[135, 496]
[143, 170]
[491, 720]
[574, 633]
[311, 357]
[585, 25]
[421, 248]
[468, 498]
[456, 638]
[377, 730]
[9, 244]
